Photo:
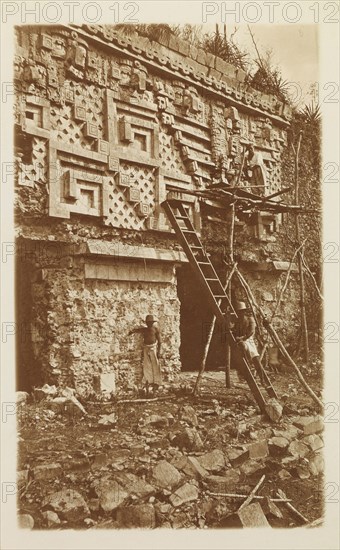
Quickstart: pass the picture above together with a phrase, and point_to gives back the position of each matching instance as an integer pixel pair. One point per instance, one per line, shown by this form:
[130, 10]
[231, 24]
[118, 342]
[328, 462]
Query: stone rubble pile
[163, 476]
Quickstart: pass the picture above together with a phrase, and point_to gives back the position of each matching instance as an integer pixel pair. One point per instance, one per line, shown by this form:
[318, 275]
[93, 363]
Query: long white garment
[250, 347]
[151, 369]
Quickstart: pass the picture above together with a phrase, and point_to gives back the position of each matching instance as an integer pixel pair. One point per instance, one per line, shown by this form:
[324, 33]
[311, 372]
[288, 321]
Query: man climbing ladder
[244, 332]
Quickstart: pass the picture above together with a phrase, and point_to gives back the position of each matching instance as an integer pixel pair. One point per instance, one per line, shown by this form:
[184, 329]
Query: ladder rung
[189, 231]
[212, 279]
[196, 247]
[220, 297]
[186, 218]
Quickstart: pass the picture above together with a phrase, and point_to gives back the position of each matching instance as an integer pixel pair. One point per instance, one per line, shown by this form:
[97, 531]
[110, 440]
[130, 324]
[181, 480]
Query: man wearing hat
[151, 350]
[244, 333]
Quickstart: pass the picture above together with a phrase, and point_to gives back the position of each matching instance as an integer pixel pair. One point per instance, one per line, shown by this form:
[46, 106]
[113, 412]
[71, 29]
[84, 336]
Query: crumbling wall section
[79, 324]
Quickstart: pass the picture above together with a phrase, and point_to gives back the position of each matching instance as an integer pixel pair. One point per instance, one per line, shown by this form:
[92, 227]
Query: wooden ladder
[215, 294]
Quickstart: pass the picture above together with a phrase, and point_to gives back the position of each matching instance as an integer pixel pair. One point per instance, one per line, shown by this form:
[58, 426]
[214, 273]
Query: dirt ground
[83, 452]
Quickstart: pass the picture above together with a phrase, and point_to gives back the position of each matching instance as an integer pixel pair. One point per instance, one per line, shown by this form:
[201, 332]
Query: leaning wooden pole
[277, 340]
[285, 284]
[231, 262]
[304, 326]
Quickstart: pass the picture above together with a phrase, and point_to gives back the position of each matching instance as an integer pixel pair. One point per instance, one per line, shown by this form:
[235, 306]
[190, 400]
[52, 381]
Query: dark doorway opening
[195, 321]
[28, 366]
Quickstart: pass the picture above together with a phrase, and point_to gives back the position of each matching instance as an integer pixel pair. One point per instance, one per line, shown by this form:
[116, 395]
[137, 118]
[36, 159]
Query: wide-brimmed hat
[240, 306]
[150, 319]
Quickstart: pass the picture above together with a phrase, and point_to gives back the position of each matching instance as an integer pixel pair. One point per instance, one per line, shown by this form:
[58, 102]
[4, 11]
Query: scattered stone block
[313, 441]
[316, 464]
[111, 494]
[156, 420]
[258, 450]
[108, 419]
[187, 414]
[213, 461]
[278, 445]
[45, 391]
[290, 433]
[298, 449]
[25, 521]
[67, 406]
[223, 484]
[190, 466]
[68, 504]
[165, 475]
[251, 467]
[274, 410]
[78, 465]
[185, 493]
[309, 424]
[238, 457]
[47, 471]
[134, 485]
[51, 518]
[188, 439]
[139, 516]
[270, 509]
[303, 471]
[21, 399]
[284, 474]
[252, 516]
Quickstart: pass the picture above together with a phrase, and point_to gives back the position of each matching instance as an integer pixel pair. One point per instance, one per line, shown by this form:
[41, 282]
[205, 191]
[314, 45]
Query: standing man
[151, 351]
[244, 333]
[256, 164]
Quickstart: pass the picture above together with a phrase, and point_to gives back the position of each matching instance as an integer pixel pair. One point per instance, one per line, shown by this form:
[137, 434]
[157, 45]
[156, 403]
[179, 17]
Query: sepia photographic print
[174, 324]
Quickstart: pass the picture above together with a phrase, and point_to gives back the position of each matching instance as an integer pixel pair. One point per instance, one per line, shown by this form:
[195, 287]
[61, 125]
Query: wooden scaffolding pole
[285, 284]
[277, 340]
[231, 262]
[304, 326]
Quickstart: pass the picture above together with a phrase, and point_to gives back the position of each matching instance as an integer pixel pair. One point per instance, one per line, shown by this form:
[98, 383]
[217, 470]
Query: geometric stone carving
[125, 133]
[103, 147]
[45, 42]
[113, 163]
[139, 136]
[143, 210]
[76, 191]
[91, 130]
[133, 194]
[36, 114]
[124, 180]
[85, 190]
[79, 113]
[34, 171]
[122, 212]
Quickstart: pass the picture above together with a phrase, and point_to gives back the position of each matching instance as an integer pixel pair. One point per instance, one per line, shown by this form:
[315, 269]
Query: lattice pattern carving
[169, 154]
[66, 129]
[35, 172]
[274, 178]
[123, 213]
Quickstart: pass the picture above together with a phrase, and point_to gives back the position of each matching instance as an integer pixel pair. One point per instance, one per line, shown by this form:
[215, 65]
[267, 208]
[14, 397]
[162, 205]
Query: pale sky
[295, 51]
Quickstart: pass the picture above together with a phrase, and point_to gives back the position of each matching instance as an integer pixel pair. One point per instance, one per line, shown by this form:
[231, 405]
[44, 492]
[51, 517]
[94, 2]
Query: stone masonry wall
[106, 127]
[79, 326]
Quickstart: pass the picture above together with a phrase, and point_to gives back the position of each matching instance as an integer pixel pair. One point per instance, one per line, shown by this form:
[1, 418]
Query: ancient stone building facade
[107, 125]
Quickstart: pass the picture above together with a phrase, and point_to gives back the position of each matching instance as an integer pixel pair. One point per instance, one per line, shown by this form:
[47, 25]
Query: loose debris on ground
[210, 461]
